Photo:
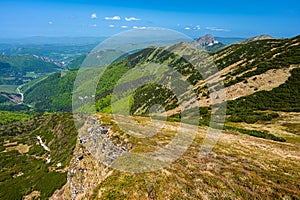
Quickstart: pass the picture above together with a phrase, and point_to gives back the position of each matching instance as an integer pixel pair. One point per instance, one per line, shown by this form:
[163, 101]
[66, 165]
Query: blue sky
[24, 18]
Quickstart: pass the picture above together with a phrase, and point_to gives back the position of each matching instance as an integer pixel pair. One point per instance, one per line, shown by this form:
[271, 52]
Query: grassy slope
[57, 132]
[28, 63]
[257, 56]
[9, 117]
[240, 167]
[54, 93]
[13, 72]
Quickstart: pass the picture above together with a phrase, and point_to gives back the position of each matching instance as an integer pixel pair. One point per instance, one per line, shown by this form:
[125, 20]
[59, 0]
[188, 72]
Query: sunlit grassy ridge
[244, 61]
[257, 57]
[240, 167]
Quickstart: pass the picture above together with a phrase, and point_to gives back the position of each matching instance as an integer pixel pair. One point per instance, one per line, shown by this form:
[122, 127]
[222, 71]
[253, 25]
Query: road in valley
[20, 93]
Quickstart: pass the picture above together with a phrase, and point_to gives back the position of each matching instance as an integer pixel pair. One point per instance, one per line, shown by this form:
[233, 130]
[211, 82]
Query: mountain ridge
[261, 129]
[256, 38]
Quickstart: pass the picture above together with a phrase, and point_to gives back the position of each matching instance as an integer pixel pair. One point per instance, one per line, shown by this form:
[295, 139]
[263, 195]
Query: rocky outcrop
[93, 155]
[207, 40]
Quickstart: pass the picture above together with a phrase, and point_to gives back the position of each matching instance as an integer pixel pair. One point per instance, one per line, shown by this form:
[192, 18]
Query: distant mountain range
[38, 40]
[42, 40]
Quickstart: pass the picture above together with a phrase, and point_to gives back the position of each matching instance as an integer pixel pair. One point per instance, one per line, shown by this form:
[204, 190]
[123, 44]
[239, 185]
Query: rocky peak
[206, 40]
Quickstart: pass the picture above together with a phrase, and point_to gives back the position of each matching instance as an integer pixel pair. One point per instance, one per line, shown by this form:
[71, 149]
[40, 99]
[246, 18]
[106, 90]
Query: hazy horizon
[79, 18]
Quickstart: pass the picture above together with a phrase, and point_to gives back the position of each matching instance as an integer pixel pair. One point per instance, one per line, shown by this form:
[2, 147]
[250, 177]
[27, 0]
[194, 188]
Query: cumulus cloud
[217, 29]
[139, 27]
[50, 23]
[115, 18]
[128, 19]
[94, 16]
[111, 26]
[124, 26]
[187, 28]
[94, 25]
[197, 27]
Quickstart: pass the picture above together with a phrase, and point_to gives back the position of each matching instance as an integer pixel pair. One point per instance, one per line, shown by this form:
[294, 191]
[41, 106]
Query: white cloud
[94, 25]
[128, 19]
[50, 23]
[137, 27]
[115, 18]
[217, 29]
[124, 26]
[187, 28]
[111, 26]
[94, 16]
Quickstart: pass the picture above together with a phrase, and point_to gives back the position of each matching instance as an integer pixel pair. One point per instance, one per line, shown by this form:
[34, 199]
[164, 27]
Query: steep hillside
[268, 67]
[256, 156]
[35, 154]
[98, 56]
[261, 71]
[244, 69]
[43, 156]
[240, 166]
[18, 70]
[76, 62]
[54, 93]
[29, 63]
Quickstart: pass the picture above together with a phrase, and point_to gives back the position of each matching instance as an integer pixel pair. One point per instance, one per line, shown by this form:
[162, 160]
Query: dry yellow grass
[239, 167]
[22, 148]
[7, 143]
[33, 195]
[266, 81]
[287, 125]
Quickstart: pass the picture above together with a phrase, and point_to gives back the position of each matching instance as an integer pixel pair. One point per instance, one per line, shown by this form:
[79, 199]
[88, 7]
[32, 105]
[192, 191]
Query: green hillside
[54, 93]
[260, 135]
[23, 163]
[28, 63]
[9, 117]
[20, 69]
[76, 62]
[258, 55]
[249, 60]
